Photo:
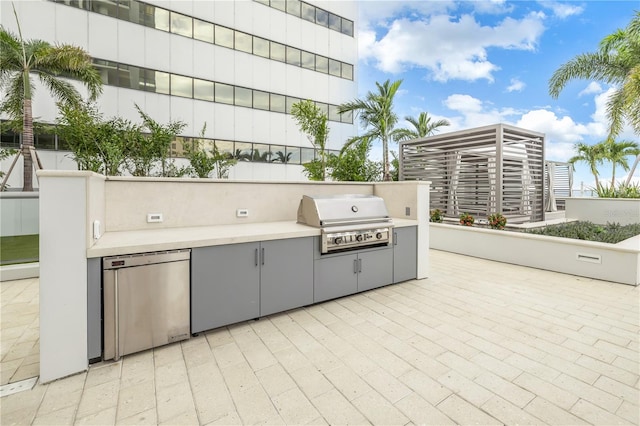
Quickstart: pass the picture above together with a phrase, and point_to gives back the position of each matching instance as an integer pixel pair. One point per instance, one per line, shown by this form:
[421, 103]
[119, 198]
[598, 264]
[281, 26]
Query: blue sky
[484, 62]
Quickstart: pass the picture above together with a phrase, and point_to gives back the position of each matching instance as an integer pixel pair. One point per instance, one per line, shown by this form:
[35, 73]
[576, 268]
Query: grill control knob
[358, 237]
[337, 240]
[379, 235]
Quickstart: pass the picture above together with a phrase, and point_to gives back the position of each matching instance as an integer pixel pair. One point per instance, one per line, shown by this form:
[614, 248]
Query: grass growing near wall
[610, 233]
[19, 249]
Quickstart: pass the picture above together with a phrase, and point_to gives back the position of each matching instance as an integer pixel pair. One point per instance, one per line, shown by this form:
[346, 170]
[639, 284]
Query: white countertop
[130, 242]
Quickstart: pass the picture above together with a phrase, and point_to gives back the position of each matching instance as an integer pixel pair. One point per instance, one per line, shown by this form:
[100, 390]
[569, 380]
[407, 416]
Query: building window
[203, 90]
[293, 7]
[278, 52]
[224, 36]
[278, 103]
[322, 17]
[182, 25]
[261, 100]
[260, 47]
[243, 97]
[224, 93]
[243, 42]
[181, 86]
[203, 30]
[335, 22]
[308, 60]
[293, 56]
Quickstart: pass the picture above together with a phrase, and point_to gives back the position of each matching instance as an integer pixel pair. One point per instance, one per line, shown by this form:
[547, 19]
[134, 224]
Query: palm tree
[616, 62]
[376, 114]
[423, 126]
[19, 60]
[617, 153]
[592, 155]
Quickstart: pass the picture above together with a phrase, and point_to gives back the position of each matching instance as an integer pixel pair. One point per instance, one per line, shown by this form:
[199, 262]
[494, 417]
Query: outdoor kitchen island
[275, 258]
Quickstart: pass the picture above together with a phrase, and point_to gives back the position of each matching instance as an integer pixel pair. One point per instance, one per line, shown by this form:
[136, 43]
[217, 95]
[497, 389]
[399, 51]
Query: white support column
[63, 274]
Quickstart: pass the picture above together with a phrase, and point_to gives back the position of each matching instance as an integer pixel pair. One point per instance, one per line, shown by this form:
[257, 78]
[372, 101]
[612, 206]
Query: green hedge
[610, 233]
[19, 249]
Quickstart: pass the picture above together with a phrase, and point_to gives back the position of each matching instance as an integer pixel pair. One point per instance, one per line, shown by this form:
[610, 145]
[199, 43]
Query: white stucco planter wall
[602, 210]
[611, 262]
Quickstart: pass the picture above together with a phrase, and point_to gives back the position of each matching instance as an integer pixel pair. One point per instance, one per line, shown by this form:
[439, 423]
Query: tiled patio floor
[478, 342]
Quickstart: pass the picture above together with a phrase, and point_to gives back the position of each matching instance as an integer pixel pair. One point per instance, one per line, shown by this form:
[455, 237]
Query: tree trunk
[386, 176]
[27, 141]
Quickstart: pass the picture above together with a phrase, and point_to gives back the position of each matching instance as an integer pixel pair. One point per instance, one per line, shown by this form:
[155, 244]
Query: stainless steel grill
[347, 222]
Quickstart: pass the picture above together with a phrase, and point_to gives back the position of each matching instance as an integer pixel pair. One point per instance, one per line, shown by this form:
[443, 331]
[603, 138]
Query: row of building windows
[313, 14]
[47, 139]
[138, 78]
[162, 19]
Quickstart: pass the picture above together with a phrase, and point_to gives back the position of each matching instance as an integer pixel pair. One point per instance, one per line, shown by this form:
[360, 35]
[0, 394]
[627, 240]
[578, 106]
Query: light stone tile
[318, 422]
[462, 412]
[230, 419]
[294, 407]
[358, 362]
[169, 374]
[148, 417]
[18, 417]
[461, 365]
[187, 418]
[496, 366]
[311, 381]
[618, 350]
[552, 414]
[387, 385]
[596, 415]
[336, 409]
[508, 413]
[56, 399]
[427, 364]
[608, 370]
[275, 341]
[275, 380]
[64, 416]
[136, 368]
[420, 412]
[26, 372]
[629, 412]
[559, 396]
[613, 387]
[239, 377]
[489, 348]
[625, 364]
[210, 393]
[571, 368]
[532, 367]
[98, 398]
[603, 335]
[589, 393]
[173, 401]
[167, 354]
[465, 388]
[136, 399]
[219, 337]
[254, 405]
[347, 382]
[291, 359]
[507, 390]
[425, 386]
[196, 351]
[102, 418]
[378, 410]
[591, 351]
[18, 350]
[103, 373]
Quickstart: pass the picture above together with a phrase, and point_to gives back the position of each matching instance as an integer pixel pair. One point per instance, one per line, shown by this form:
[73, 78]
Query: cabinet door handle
[395, 238]
[255, 257]
[359, 265]
[262, 255]
[355, 266]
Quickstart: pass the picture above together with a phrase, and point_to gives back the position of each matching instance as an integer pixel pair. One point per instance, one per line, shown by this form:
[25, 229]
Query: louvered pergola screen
[481, 171]
[557, 184]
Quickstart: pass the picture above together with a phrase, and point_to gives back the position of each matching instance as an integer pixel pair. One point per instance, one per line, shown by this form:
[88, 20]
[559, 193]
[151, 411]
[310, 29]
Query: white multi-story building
[236, 65]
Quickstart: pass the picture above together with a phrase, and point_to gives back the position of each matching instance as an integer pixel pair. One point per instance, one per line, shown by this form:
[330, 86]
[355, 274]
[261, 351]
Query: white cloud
[562, 10]
[516, 85]
[450, 48]
[492, 6]
[592, 88]
[475, 113]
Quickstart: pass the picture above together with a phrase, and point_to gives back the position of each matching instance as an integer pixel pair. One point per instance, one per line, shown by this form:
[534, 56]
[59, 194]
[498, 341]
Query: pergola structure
[492, 169]
[557, 185]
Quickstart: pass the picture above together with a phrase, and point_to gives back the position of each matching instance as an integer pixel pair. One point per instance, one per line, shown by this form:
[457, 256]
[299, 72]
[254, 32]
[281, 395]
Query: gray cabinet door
[225, 285]
[335, 276]
[286, 275]
[405, 254]
[375, 269]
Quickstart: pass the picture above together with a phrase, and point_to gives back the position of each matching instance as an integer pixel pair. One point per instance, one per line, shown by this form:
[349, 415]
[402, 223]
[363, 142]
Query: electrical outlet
[407, 211]
[242, 213]
[154, 217]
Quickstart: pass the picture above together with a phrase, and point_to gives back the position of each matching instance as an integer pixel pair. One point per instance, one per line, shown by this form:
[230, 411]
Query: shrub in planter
[466, 219]
[497, 221]
[436, 216]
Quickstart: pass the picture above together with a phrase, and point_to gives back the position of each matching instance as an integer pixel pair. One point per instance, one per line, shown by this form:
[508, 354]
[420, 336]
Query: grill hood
[322, 211]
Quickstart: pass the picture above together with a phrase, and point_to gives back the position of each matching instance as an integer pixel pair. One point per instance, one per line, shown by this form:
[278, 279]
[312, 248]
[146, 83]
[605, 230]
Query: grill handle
[355, 266]
[359, 265]
[255, 257]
